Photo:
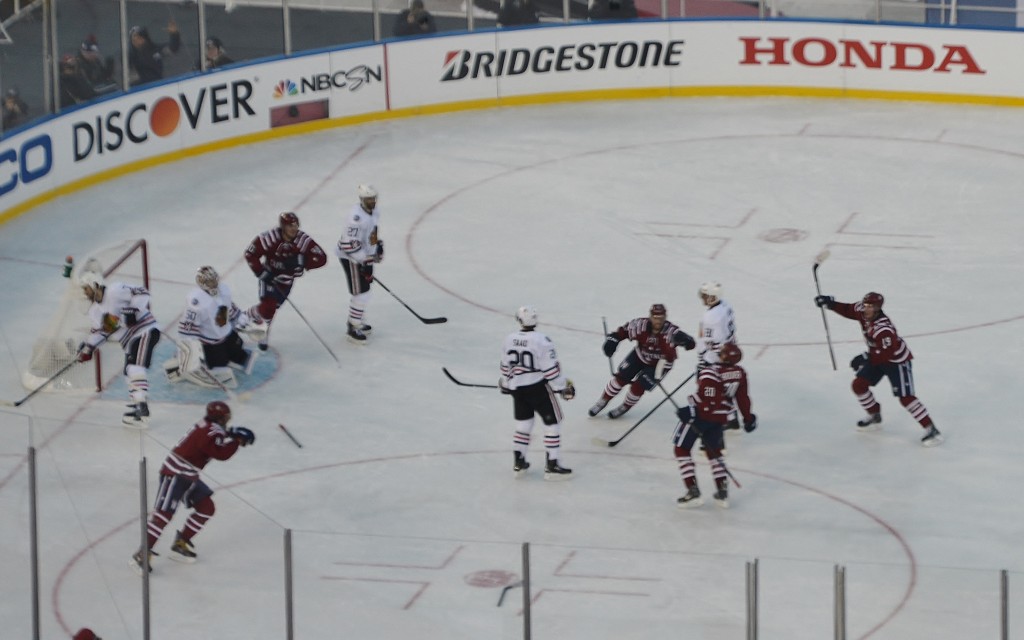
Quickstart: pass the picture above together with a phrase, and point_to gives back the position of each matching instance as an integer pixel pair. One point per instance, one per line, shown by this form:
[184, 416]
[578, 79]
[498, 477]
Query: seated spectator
[415, 20]
[216, 55]
[75, 88]
[98, 69]
[612, 10]
[515, 12]
[15, 109]
[145, 58]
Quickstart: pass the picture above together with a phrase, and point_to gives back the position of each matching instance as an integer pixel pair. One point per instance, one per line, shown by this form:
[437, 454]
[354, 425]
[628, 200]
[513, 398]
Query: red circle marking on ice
[491, 578]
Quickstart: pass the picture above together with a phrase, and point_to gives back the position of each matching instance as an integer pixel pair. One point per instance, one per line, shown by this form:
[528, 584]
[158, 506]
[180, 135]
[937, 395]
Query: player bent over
[209, 439]
[278, 256]
[888, 356]
[703, 418]
[210, 343]
[358, 249]
[656, 340]
[531, 374]
[121, 312]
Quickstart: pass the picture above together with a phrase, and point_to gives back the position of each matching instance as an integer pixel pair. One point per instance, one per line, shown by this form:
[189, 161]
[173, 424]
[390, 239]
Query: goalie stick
[466, 384]
[437, 320]
[822, 257]
[611, 443]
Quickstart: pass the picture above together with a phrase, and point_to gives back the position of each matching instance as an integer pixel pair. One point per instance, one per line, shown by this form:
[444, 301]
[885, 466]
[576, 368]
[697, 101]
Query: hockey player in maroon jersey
[656, 339]
[888, 356]
[703, 418]
[734, 379]
[209, 439]
[277, 257]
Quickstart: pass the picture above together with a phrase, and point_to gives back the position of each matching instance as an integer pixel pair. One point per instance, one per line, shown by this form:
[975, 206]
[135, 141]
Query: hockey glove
[266, 276]
[610, 345]
[297, 271]
[824, 301]
[647, 380]
[85, 352]
[222, 316]
[283, 279]
[684, 340]
[110, 323]
[569, 392]
[501, 387]
[751, 424]
[685, 414]
[366, 273]
[131, 317]
[859, 361]
[244, 436]
[380, 251]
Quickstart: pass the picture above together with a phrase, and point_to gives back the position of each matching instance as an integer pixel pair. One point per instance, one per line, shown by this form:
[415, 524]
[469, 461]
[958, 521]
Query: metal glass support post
[1004, 605]
[286, 25]
[203, 63]
[289, 609]
[33, 539]
[144, 547]
[752, 581]
[840, 606]
[376, 20]
[526, 591]
[125, 71]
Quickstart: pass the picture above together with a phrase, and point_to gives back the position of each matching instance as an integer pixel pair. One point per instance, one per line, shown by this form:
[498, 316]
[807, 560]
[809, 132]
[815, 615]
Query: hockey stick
[322, 341]
[202, 367]
[63, 370]
[734, 480]
[290, 436]
[828, 334]
[611, 443]
[437, 320]
[604, 323]
[467, 384]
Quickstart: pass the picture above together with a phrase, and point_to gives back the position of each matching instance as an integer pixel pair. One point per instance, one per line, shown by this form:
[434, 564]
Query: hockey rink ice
[406, 520]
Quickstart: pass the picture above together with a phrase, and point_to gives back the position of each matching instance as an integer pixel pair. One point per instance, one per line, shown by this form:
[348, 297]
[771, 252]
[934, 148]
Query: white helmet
[207, 279]
[710, 292]
[527, 317]
[91, 279]
[366, 191]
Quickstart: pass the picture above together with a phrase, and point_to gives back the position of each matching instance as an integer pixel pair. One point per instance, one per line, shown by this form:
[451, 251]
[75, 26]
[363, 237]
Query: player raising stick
[277, 257]
[656, 341]
[888, 356]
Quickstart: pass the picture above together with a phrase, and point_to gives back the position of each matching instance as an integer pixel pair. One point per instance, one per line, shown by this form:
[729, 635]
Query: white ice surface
[404, 512]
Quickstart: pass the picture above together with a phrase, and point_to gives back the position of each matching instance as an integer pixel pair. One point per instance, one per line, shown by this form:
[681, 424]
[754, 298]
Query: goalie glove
[85, 352]
[569, 392]
[610, 345]
[244, 436]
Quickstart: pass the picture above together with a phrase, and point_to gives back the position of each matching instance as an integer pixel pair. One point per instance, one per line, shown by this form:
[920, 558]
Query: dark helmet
[658, 309]
[873, 298]
[287, 218]
[730, 354]
[218, 412]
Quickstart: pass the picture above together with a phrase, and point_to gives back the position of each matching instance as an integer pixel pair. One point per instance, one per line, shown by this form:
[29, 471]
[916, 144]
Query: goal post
[57, 345]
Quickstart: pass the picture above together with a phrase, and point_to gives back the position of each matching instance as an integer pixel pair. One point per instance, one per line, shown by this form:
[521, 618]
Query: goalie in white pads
[121, 312]
[530, 373]
[210, 344]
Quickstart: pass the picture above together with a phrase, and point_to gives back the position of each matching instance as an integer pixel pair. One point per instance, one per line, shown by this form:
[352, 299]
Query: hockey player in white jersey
[717, 325]
[359, 248]
[531, 374]
[210, 344]
[121, 312]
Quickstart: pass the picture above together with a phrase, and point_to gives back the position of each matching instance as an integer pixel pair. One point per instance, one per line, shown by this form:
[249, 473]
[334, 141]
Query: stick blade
[440, 320]
[601, 442]
[821, 257]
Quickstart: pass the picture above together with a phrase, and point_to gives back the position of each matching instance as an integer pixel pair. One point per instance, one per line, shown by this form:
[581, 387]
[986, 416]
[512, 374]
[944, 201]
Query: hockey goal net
[57, 346]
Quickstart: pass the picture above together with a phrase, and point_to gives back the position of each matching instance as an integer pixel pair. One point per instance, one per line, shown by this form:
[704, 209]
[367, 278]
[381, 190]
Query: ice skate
[366, 328]
[932, 437]
[870, 422]
[136, 561]
[182, 550]
[555, 471]
[356, 335]
[618, 411]
[137, 417]
[520, 465]
[722, 494]
[598, 407]
[691, 499]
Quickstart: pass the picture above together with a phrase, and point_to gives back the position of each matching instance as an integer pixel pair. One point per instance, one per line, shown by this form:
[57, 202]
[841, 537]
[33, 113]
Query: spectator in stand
[15, 109]
[414, 21]
[97, 68]
[216, 55]
[611, 10]
[516, 12]
[145, 58]
[75, 87]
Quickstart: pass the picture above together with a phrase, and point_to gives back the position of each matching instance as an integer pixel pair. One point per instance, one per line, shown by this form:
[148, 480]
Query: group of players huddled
[532, 375]
[210, 347]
